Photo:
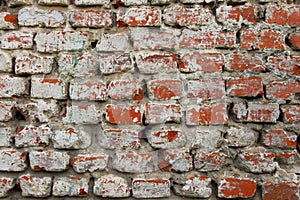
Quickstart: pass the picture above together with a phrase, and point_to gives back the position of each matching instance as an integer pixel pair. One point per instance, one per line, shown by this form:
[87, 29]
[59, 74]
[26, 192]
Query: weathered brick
[206, 140]
[231, 187]
[52, 161]
[279, 138]
[168, 138]
[17, 40]
[175, 160]
[236, 15]
[13, 160]
[162, 113]
[245, 62]
[5, 62]
[33, 64]
[120, 138]
[13, 86]
[282, 90]
[125, 89]
[110, 42]
[5, 137]
[206, 39]
[189, 17]
[207, 114]
[49, 88]
[111, 186]
[133, 2]
[256, 112]
[139, 16]
[262, 39]
[91, 2]
[291, 113]
[71, 138]
[196, 1]
[82, 113]
[124, 114]
[241, 136]
[89, 162]
[88, 90]
[70, 186]
[282, 190]
[288, 157]
[6, 108]
[8, 21]
[29, 136]
[286, 65]
[206, 89]
[135, 162]
[245, 87]
[54, 2]
[30, 16]
[6, 184]
[153, 39]
[16, 3]
[156, 62]
[201, 62]
[91, 18]
[115, 63]
[165, 89]
[33, 186]
[283, 15]
[151, 188]
[206, 162]
[257, 160]
[294, 39]
[197, 186]
[61, 41]
[160, 2]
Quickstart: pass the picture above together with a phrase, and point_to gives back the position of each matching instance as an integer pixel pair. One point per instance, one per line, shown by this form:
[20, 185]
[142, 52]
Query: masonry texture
[142, 99]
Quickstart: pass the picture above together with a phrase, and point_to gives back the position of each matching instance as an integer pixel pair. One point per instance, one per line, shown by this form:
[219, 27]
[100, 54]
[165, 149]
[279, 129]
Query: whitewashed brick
[12, 160]
[17, 40]
[5, 136]
[111, 186]
[89, 162]
[32, 136]
[48, 88]
[6, 108]
[151, 188]
[6, 184]
[33, 64]
[33, 186]
[13, 86]
[70, 186]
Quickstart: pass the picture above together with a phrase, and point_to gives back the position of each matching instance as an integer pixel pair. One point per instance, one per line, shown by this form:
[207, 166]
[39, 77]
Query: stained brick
[206, 162]
[88, 90]
[245, 62]
[245, 87]
[17, 40]
[13, 86]
[72, 186]
[206, 89]
[165, 89]
[5, 62]
[13, 160]
[54, 2]
[125, 89]
[162, 113]
[291, 113]
[111, 186]
[285, 65]
[166, 139]
[91, 2]
[283, 15]
[110, 42]
[241, 136]
[8, 21]
[294, 39]
[281, 190]
[49, 88]
[89, 162]
[231, 187]
[279, 138]
[6, 108]
[30, 135]
[33, 186]
[34, 64]
[282, 90]
[151, 188]
[5, 137]
[6, 184]
[175, 160]
[124, 114]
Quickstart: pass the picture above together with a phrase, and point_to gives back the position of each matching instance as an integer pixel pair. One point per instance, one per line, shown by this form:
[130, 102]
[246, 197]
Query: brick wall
[149, 99]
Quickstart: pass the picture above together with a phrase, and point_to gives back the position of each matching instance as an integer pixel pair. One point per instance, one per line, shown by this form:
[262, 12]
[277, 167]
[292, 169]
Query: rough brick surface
[33, 65]
[8, 21]
[32, 186]
[32, 136]
[286, 189]
[70, 186]
[111, 186]
[150, 188]
[89, 163]
[13, 160]
[17, 40]
[231, 187]
[6, 184]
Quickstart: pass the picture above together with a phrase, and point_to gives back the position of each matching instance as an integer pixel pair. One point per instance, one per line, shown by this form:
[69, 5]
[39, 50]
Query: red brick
[156, 62]
[206, 162]
[151, 188]
[262, 39]
[135, 162]
[279, 138]
[166, 139]
[201, 62]
[142, 16]
[207, 114]
[285, 65]
[34, 64]
[13, 86]
[257, 112]
[72, 186]
[49, 88]
[294, 39]
[125, 89]
[282, 190]
[124, 114]
[111, 42]
[33, 186]
[162, 113]
[291, 113]
[245, 87]
[175, 161]
[6, 108]
[153, 39]
[120, 139]
[283, 15]
[89, 162]
[287, 157]
[282, 90]
[17, 40]
[256, 160]
[190, 17]
[13, 160]
[88, 90]
[236, 14]
[245, 62]
[206, 89]
[91, 18]
[207, 39]
[231, 187]
[6, 184]
[8, 21]
[111, 186]
[165, 89]
[30, 135]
